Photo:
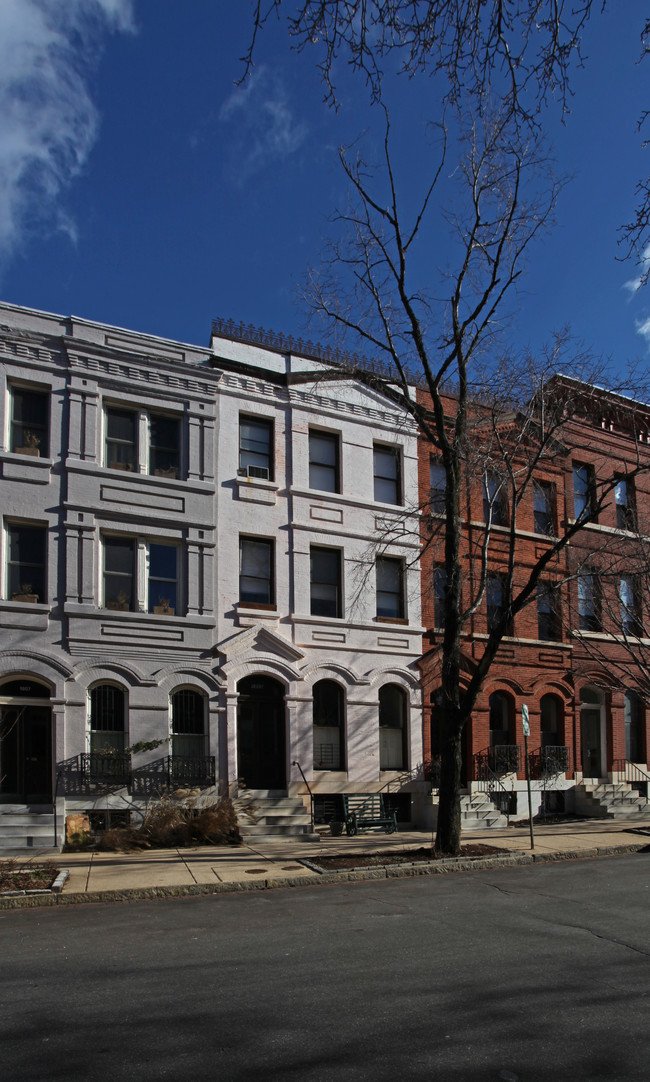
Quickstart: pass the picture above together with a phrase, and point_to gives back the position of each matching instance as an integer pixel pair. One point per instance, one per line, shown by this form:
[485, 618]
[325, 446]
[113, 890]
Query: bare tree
[495, 426]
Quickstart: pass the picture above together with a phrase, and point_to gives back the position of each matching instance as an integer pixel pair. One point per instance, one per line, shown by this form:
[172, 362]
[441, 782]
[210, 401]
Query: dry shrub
[122, 840]
[168, 824]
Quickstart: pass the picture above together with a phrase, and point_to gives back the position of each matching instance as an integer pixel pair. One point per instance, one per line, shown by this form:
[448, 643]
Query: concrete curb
[386, 871]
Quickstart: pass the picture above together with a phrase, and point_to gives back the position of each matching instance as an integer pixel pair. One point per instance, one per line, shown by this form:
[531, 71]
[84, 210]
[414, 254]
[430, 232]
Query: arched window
[107, 720]
[328, 726]
[500, 719]
[551, 721]
[188, 724]
[634, 718]
[392, 728]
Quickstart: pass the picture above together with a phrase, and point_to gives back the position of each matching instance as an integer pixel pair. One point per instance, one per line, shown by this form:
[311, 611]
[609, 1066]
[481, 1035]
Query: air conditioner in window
[261, 472]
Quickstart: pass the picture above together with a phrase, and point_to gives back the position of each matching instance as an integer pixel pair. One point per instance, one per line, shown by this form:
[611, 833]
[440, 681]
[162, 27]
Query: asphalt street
[525, 974]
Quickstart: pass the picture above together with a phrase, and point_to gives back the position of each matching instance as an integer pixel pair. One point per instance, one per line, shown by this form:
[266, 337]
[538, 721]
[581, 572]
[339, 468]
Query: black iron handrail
[311, 795]
[489, 782]
[554, 759]
[631, 771]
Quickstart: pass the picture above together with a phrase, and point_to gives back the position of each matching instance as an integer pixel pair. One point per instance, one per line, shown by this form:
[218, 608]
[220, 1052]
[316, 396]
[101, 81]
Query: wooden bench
[365, 810]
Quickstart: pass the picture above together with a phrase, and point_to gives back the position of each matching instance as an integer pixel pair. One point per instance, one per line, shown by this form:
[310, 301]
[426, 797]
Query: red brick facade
[556, 658]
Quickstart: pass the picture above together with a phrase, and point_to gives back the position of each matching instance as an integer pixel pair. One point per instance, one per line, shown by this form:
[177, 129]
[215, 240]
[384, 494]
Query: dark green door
[26, 754]
[261, 734]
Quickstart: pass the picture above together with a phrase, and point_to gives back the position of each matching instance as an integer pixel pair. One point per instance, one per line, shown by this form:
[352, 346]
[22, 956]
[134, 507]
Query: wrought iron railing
[500, 758]
[486, 781]
[553, 759]
[104, 767]
[191, 770]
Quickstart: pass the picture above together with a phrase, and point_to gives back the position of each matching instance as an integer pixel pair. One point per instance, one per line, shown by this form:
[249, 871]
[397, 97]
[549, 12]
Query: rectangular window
[496, 600]
[26, 556]
[163, 579]
[121, 439]
[324, 461]
[629, 595]
[439, 596]
[625, 504]
[157, 590]
[164, 445]
[256, 447]
[548, 622]
[325, 582]
[119, 573]
[544, 507]
[30, 422]
[588, 603]
[437, 484]
[584, 491]
[390, 587]
[495, 507]
[160, 453]
[387, 474]
[256, 585]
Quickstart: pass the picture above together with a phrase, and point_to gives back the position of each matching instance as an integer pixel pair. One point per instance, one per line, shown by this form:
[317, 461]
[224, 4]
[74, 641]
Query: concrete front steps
[609, 800]
[24, 826]
[477, 812]
[270, 815]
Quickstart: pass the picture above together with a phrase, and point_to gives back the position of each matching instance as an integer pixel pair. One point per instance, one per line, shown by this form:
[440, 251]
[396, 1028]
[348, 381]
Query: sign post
[526, 728]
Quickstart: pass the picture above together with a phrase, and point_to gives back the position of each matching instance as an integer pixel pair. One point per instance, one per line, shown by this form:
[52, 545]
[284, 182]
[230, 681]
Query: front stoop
[24, 826]
[477, 812]
[609, 800]
[269, 815]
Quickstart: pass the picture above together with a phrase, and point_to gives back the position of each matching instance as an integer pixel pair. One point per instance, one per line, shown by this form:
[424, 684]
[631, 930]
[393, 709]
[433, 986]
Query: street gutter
[386, 871]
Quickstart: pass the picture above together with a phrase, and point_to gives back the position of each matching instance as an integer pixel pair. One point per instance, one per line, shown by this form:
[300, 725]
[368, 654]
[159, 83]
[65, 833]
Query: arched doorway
[25, 742]
[592, 731]
[261, 742]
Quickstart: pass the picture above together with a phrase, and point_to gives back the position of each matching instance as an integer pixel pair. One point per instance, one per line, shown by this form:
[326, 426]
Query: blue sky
[139, 186]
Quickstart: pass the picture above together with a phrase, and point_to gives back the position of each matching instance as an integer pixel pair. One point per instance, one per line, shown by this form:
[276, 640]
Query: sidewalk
[96, 876]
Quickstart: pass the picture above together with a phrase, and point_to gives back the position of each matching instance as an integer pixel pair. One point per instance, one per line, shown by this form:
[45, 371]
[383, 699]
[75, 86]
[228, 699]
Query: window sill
[255, 606]
[391, 620]
[24, 606]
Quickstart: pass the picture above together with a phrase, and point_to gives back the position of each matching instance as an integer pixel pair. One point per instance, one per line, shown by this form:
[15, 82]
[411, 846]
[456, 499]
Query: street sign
[524, 719]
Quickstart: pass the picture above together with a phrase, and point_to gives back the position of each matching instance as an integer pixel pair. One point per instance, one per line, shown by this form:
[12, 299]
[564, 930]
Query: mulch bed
[17, 875]
[400, 856]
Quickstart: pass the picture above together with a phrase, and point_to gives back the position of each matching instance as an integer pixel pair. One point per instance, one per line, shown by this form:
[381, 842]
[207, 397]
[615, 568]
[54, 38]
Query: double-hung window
[544, 507]
[589, 602]
[438, 485]
[256, 578]
[548, 617]
[625, 504]
[142, 441]
[439, 596]
[30, 422]
[141, 575]
[26, 548]
[495, 505]
[324, 473]
[629, 598]
[390, 588]
[387, 474]
[325, 582]
[256, 447]
[584, 491]
[496, 600]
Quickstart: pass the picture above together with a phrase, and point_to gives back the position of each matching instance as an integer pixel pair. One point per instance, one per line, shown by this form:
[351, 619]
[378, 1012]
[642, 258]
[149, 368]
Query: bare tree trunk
[448, 832]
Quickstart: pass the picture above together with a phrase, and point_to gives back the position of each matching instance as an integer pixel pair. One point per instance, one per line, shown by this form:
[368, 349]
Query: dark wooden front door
[25, 754]
[261, 734]
[591, 743]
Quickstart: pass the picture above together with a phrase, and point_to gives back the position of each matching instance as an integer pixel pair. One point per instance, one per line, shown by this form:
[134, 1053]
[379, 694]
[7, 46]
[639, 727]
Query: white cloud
[263, 123]
[634, 284]
[643, 328]
[49, 122]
